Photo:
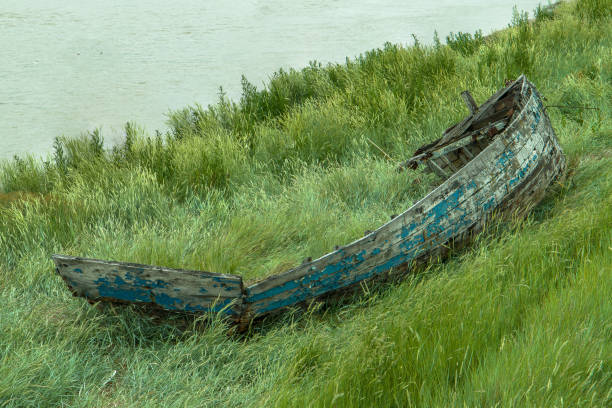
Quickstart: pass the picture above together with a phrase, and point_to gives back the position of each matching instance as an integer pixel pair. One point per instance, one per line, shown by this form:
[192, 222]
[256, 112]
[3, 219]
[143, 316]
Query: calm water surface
[72, 65]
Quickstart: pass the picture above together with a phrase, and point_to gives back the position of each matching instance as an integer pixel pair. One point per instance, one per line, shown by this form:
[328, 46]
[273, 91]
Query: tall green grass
[254, 186]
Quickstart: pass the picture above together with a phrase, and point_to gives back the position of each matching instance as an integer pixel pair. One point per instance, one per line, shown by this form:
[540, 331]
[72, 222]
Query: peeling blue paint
[523, 171]
[490, 204]
[334, 272]
[517, 135]
[406, 231]
[121, 290]
[133, 288]
[167, 302]
[505, 157]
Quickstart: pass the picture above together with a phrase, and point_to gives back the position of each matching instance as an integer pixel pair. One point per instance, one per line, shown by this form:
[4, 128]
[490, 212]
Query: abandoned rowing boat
[500, 158]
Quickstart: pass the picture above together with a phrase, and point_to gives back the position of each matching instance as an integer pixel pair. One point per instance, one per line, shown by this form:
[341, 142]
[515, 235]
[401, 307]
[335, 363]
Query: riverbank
[255, 186]
[81, 65]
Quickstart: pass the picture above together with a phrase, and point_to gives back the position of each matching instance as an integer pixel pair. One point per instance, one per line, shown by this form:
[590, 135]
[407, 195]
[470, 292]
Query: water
[67, 66]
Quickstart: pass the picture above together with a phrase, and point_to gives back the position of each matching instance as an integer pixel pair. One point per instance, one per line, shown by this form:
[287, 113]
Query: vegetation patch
[289, 171]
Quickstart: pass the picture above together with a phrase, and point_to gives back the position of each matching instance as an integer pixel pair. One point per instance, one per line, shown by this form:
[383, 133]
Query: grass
[254, 186]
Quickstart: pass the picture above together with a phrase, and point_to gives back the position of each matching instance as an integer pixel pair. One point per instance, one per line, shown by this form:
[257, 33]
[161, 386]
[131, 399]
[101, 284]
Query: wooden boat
[501, 158]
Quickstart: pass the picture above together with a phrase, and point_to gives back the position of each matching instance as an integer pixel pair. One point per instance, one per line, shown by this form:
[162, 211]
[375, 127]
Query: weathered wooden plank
[170, 289]
[439, 171]
[530, 193]
[486, 121]
[471, 150]
[469, 102]
[457, 131]
[464, 157]
[448, 163]
[482, 111]
[475, 137]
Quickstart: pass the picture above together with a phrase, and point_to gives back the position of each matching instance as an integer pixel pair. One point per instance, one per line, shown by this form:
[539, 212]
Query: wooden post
[469, 101]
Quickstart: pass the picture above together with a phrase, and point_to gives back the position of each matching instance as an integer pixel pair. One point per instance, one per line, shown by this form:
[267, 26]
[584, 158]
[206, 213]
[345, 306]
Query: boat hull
[510, 175]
